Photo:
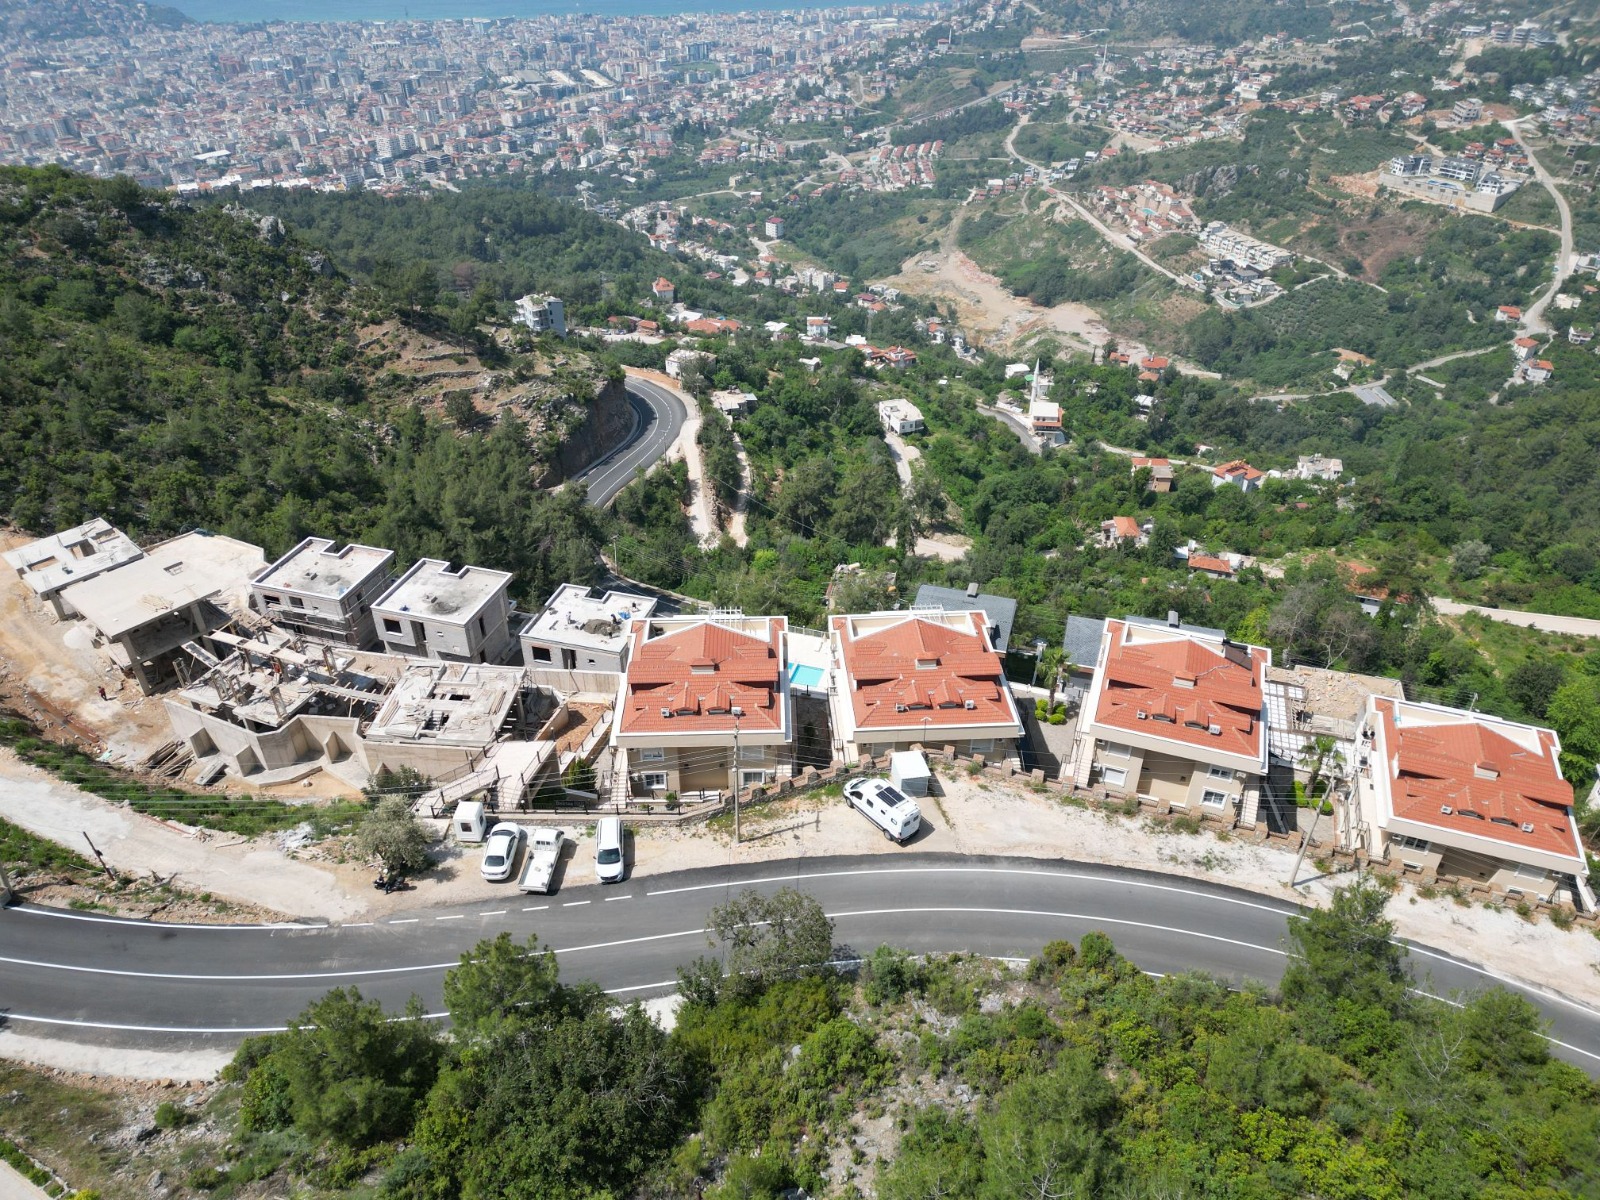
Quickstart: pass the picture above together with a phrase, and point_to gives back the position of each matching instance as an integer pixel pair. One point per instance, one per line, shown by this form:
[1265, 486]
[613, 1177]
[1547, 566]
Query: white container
[469, 824]
[908, 773]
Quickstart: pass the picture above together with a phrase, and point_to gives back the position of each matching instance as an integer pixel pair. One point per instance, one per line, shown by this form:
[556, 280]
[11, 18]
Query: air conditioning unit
[1142, 715]
[970, 705]
[737, 711]
[1527, 827]
[1214, 730]
[666, 712]
[1446, 809]
[902, 708]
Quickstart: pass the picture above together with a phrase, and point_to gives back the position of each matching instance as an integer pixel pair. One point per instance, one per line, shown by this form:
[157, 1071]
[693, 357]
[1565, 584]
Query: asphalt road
[113, 982]
[658, 419]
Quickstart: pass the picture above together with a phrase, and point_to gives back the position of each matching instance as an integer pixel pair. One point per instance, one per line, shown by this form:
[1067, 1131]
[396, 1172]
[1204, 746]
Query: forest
[169, 367]
[914, 1078]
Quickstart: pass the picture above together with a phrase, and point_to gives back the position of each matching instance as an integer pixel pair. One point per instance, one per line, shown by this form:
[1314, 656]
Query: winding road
[113, 982]
[658, 418]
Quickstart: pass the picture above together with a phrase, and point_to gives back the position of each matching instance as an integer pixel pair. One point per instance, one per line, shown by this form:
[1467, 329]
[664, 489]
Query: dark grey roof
[1157, 623]
[1001, 610]
[1082, 642]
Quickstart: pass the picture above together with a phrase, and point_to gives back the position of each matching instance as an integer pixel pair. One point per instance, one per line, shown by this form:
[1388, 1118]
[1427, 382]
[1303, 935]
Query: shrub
[889, 975]
[172, 1116]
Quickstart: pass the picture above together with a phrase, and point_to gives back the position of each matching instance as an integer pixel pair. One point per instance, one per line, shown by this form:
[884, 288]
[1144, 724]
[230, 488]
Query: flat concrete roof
[72, 556]
[314, 568]
[177, 573]
[453, 704]
[578, 616]
[434, 590]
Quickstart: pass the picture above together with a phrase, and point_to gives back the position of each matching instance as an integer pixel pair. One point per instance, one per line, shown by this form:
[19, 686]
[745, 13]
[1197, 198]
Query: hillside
[170, 366]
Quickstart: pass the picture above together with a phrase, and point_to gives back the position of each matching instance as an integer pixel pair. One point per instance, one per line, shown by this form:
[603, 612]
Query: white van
[609, 866]
[885, 806]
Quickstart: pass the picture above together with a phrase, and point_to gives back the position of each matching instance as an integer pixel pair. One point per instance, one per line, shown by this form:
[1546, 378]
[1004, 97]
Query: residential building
[1524, 348]
[448, 612]
[679, 361]
[1508, 313]
[818, 328]
[925, 677]
[733, 403]
[151, 615]
[325, 594]
[1239, 473]
[1210, 564]
[543, 314]
[1121, 533]
[1468, 795]
[71, 556]
[1161, 473]
[1176, 715]
[1314, 466]
[663, 291]
[900, 416]
[1001, 610]
[774, 227]
[701, 698]
[582, 629]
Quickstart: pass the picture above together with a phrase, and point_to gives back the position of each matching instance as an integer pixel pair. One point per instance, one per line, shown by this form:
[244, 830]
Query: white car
[885, 806]
[500, 851]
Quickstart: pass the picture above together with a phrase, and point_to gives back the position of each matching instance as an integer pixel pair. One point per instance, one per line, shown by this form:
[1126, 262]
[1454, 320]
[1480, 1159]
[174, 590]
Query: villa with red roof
[664, 291]
[1468, 795]
[1176, 714]
[1239, 473]
[698, 688]
[926, 677]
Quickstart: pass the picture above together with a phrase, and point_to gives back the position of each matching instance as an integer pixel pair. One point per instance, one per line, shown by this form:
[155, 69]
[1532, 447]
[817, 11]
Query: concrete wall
[303, 739]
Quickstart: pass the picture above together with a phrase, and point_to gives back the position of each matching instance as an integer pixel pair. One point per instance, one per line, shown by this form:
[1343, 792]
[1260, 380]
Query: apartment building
[1468, 795]
[927, 677]
[542, 314]
[323, 593]
[701, 699]
[1176, 714]
[447, 612]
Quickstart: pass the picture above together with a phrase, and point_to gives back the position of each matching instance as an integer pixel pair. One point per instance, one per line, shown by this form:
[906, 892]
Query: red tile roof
[1237, 469]
[1186, 686]
[926, 668]
[1493, 785]
[699, 674]
[1205, 562]
[1125, 527]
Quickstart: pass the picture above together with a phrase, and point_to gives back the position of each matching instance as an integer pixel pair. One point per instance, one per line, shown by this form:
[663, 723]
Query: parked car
[500, 851]
[885, 806]
[609, 866]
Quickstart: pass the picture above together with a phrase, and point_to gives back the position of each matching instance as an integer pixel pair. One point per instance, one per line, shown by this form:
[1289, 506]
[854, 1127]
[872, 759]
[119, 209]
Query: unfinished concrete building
[83, 552]
[325, 594]
[579, 640]
[154, 617]
[447, 612]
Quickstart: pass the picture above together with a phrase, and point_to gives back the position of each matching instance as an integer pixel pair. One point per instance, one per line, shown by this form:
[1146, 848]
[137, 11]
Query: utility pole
[736, 781]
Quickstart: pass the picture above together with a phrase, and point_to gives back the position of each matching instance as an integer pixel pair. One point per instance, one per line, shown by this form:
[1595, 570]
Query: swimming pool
[804, 675]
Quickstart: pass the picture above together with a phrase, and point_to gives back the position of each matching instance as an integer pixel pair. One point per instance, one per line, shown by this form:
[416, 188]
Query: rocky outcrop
[588, 432]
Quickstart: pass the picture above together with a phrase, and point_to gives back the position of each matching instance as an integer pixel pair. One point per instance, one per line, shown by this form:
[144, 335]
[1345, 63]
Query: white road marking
[537, 908]
[267, 927]
[499, 912]
[609, 899]
[357, 925]
[574, 903]
[406, 921]
[453, 917]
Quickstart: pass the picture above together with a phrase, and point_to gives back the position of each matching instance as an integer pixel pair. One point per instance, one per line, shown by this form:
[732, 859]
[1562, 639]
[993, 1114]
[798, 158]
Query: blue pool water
[805, 676]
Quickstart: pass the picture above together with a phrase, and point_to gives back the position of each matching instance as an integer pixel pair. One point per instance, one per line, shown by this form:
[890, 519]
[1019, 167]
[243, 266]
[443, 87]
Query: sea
[258, 11]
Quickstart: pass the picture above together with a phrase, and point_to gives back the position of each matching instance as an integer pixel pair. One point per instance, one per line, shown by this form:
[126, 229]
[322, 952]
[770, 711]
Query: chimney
[972, 591]
[1172, 618]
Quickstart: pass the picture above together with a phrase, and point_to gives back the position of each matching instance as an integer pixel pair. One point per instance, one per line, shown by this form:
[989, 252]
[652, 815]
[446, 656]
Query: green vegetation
[393, 835]
[244, 815]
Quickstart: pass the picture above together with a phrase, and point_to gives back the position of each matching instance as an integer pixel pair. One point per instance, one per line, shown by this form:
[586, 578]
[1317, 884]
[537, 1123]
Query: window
[1113, 776]
[752, 778]
[1115, 749]
[982, 745]
[1407, 842]
[653, 781]
[272, 601]
[1213, 799]
[1220, 773]
[656, 754]
[541, 654]
[752, 754]
[390, 625]
[1524, 871]
[481, 629]
[296, 602]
